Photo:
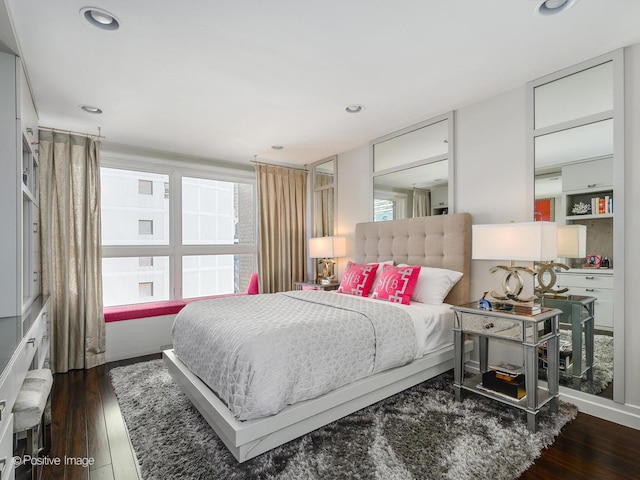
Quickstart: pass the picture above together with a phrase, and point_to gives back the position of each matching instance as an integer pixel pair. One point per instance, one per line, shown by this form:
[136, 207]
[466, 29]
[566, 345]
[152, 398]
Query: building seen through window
[140, 262]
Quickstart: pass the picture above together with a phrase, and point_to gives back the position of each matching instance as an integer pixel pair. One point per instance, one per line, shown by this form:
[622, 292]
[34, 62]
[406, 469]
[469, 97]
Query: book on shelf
[507, 369]
[601, 205]
[565, 359]
[500, 394]
[505, 379]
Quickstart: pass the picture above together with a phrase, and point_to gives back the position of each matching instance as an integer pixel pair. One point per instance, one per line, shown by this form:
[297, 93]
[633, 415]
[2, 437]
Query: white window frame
[175, 250]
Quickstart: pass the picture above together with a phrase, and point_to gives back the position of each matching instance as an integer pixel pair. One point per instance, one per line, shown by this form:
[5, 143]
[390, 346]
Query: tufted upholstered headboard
[442, 241]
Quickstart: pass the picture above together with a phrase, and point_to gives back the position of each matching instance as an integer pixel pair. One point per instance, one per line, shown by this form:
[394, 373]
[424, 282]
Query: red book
[601, 207]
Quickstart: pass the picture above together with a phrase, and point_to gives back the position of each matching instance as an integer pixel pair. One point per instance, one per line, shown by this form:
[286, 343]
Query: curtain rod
[60, 130]
[259, 162]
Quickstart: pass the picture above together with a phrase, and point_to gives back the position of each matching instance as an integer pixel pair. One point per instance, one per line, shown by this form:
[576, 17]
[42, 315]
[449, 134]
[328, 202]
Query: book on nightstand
[525, 308]
[505, 379]
[564, 361]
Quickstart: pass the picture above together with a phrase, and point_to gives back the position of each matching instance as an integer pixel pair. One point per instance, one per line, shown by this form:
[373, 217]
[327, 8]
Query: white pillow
[434, 284]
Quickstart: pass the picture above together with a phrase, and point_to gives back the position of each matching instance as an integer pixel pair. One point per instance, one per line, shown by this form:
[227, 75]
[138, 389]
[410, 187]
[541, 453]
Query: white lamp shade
[532, 241]
[327, 247]
[572, 241]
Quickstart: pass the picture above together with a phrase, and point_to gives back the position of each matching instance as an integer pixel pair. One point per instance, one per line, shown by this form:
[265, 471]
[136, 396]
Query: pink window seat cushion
[153, 309]
[167, 307]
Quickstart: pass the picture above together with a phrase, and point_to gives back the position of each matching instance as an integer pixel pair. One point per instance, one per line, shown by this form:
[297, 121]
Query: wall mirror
[412, 171]
[576, 120]
[323, 174]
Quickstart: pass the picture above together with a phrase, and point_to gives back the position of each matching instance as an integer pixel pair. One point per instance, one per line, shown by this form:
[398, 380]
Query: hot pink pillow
[396, 284]
[357, 279]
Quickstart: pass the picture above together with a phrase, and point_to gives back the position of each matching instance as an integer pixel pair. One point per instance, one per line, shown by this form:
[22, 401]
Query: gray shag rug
[421, 433]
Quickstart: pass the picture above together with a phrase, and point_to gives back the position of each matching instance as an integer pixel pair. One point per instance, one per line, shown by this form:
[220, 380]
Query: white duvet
[261, 353]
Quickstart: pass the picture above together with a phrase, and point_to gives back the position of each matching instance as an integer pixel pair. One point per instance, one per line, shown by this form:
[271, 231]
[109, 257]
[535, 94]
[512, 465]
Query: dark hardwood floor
[87, 424]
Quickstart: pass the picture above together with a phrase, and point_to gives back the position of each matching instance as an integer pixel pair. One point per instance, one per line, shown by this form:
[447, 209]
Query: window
[158, 246]
[145, 262]
[123, 279]
[145, 227]
[383, 210]
[145, 289]
[145, 187]
[129, 218]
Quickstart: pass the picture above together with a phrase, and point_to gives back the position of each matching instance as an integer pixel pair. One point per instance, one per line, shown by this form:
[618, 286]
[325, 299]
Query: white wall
[353, 195]
[494, 183]
[141, 336]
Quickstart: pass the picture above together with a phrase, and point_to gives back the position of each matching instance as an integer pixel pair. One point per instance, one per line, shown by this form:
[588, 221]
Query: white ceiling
[228, 79]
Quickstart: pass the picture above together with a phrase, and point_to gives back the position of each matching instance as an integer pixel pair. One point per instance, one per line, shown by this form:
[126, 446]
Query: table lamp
[572, 243]
[531, 241]
[325, 249]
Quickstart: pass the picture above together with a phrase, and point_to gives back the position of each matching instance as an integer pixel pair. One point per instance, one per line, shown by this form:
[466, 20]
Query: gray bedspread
[260, 353]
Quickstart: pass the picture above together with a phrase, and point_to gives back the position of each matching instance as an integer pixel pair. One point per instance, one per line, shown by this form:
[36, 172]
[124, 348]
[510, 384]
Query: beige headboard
[442, 241]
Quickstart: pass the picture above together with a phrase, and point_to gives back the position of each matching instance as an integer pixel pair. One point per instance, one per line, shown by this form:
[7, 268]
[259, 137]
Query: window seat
[154, 309]
[167, 307]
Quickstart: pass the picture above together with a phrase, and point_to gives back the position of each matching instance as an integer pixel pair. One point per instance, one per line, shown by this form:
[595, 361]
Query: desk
[577, 311]
[527, 330]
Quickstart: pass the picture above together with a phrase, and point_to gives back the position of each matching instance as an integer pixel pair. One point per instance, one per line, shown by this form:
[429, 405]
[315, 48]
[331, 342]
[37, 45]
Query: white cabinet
[22, 312]
[24, 340]
[590, 175]
[440, 200]
[592, 283]
[591, 184]
[19, 190]
[7, 468]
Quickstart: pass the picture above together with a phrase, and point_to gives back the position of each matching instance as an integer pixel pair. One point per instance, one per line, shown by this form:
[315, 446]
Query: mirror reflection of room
[324, 198]
[411, 171]
[574, 164]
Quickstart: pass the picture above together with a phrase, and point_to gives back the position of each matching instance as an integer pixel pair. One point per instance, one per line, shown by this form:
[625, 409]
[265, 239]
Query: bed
[439, 242]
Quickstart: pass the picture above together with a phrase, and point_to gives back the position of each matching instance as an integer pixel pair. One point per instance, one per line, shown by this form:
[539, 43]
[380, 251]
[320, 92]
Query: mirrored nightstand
[316, 286]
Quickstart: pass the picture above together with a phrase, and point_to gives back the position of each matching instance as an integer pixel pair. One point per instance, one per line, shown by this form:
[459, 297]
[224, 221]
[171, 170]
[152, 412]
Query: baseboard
[127, 354]
[603, 408]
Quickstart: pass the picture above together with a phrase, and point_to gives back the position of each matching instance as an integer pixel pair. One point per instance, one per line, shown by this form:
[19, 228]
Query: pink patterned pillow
[396, 284]
[357, 279]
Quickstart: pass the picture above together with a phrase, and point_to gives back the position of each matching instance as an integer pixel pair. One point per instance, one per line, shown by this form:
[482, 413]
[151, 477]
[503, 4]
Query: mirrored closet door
[576, 120]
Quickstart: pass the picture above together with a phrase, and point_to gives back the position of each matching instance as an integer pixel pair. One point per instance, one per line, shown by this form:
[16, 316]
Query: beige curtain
[282, 198]
[421, 203]
[71, 256]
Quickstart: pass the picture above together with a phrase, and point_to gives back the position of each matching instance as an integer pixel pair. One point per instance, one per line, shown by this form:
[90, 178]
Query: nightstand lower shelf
[471, 384]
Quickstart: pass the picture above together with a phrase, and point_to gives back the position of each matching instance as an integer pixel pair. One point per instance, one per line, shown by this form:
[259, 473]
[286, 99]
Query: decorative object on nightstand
[572, 243]
[532, 241]
[325, 249]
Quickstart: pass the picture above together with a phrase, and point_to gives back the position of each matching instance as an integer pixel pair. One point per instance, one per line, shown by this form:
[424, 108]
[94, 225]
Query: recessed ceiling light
[277, 147]
[100, 18]
[90, 109]
[355, 108]
[552, 7]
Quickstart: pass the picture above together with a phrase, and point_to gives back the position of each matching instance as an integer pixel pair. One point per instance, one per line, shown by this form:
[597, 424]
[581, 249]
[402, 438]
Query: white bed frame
[442, 241]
